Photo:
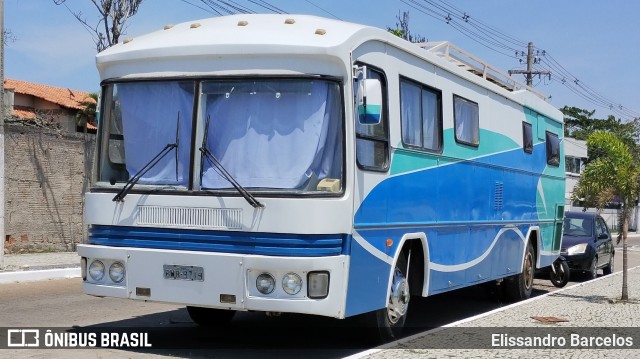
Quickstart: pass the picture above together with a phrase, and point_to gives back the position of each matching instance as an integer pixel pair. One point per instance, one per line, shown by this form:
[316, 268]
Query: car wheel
[592, 273]
[609, 268]
[209, 317]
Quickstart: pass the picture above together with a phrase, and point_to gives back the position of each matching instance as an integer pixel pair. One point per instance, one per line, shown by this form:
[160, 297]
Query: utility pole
[2, 114]
[529, 72]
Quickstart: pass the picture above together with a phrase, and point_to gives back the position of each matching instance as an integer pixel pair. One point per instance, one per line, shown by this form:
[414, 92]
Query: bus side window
[372, 141]
[467, 121]
[553, 149]
[420, 116]
[527, 137]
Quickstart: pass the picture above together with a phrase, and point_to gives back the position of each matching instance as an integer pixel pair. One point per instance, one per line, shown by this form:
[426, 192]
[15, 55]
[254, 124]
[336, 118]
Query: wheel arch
[533, 236]
[418, 263]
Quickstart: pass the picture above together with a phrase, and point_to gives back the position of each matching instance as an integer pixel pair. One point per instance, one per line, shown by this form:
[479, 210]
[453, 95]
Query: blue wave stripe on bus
[460, 191]
[223, 242]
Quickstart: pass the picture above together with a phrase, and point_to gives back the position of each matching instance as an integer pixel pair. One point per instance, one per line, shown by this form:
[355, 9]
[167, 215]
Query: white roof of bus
[255, 34]
[238, 34]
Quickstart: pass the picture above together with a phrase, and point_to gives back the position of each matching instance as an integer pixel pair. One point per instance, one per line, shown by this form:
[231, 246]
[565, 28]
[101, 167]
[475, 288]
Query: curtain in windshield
[150, 112]
[278, 134]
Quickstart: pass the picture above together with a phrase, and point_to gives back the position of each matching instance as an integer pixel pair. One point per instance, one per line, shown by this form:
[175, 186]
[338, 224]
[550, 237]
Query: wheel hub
[399, 298]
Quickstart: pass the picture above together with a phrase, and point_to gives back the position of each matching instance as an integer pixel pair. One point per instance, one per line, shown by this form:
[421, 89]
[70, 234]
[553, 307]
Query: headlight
[96, 270]
[291, 283]
[116, 272]
[577, 249]
[265, 283]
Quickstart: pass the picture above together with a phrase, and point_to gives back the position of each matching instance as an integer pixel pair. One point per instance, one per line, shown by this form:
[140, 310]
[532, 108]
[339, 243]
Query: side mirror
[603, 236]
[369, 102]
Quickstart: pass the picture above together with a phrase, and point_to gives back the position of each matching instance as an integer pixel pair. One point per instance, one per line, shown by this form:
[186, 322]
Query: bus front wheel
[390, 320]
[209, 317]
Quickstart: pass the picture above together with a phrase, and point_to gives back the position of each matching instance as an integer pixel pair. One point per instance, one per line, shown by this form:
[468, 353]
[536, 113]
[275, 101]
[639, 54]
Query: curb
[36, 275]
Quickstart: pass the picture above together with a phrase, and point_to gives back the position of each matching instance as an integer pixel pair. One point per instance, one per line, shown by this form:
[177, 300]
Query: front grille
[205, 218]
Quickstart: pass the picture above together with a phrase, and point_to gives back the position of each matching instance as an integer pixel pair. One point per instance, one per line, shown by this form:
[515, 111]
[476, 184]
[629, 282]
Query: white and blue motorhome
[285, 163]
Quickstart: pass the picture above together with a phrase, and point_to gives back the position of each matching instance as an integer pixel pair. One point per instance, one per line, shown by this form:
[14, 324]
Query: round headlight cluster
[96, 270]
[116, 272]
[291, 283]
[265, 283]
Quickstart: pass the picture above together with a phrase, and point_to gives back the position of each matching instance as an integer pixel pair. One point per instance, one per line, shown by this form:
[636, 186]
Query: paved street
[61, 304]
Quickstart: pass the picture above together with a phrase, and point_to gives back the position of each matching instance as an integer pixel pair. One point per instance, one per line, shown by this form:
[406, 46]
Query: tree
[88, 113]
[580, 123]
[113, 18]
[9, 36]
[402, 29]
[611, 172]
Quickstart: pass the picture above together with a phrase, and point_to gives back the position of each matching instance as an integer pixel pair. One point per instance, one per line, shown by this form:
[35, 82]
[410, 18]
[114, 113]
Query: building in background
[48, 106]
[575, 152]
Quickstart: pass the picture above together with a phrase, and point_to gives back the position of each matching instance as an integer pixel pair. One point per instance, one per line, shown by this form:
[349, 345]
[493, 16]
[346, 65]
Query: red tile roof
[61, 96]
[27, 114]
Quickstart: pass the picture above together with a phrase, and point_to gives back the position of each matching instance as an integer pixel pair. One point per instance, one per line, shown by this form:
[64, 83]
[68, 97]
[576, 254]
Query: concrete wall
[46, 174]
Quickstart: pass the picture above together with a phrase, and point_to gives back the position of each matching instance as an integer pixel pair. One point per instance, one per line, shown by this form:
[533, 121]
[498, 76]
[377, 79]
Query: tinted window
[467, 121]
[553, 149]
[527, 137]
[601, 227]
[579, 227]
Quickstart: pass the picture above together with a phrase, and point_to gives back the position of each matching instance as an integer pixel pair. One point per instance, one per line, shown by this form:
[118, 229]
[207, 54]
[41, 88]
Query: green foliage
[402, 29]
[580, 124]
[612, 172]
[88, 113]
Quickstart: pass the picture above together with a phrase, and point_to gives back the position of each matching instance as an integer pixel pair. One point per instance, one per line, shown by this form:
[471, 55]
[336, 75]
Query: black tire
[559, 273]
[592, 272]
[390, 321]
[209, 317]
[519, 287]
[609, 268]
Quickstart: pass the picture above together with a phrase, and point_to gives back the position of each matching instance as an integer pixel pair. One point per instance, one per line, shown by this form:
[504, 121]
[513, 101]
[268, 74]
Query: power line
[499, 41]
[324, 10]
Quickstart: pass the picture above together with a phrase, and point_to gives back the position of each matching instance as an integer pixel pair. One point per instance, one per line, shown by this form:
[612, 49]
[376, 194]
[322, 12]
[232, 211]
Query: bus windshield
[267, 134]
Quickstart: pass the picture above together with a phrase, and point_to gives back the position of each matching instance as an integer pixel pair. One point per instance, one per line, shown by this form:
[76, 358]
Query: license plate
[183, 272]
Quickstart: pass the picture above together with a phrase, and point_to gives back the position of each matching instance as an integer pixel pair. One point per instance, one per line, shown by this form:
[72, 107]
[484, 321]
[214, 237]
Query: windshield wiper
[154, 161]
[213, 161]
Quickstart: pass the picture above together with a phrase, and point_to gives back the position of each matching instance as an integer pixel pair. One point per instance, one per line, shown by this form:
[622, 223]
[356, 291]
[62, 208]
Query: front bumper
[225, 275]
[580, 262]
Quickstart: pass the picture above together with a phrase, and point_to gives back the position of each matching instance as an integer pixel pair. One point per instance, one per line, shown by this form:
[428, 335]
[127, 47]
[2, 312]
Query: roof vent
[243, 23]
[168, 26]
[127, 40]
[321, 31]
[195, 25]
[290, 21]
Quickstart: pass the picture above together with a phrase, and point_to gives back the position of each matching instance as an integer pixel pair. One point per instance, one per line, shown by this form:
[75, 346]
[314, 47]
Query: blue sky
[595, 41]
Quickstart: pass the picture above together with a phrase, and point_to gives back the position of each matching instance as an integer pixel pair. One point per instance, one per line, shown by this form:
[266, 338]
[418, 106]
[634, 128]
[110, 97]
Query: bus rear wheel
[209, 317]
[520, 287]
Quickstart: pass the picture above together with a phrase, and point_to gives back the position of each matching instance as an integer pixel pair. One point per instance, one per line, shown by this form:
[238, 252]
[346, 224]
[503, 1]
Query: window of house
[420, 113]
[553, 149]
[467, 121]
[573, 164]
[372, 141]
[527, 137]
